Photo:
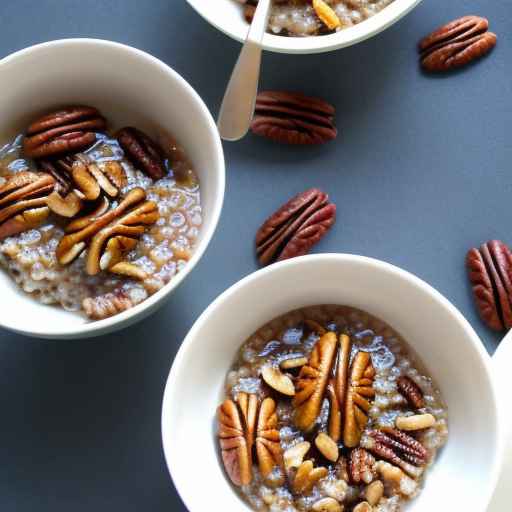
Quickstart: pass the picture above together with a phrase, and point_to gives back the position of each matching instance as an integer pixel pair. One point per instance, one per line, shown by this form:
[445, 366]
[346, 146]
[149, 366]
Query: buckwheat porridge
[92, 220]
[315, 17]
[326, 409]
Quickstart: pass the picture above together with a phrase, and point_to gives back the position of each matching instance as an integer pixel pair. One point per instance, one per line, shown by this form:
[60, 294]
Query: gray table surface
[421, 171]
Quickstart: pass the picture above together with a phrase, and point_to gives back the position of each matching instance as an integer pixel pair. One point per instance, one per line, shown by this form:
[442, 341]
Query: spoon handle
[237, 107]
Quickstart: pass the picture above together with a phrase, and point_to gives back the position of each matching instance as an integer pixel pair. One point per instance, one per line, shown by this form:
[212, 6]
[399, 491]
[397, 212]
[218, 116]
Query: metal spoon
[237, 107]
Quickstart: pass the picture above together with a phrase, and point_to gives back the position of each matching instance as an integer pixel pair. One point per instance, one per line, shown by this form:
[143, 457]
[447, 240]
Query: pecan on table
[68, 130]
[490, 273]
[142, 151]
[23, 202]
[109, 235]
[456, 44]
[411, 392]
[398, 448]
[294, 228]
[312, 382]
[293, 118]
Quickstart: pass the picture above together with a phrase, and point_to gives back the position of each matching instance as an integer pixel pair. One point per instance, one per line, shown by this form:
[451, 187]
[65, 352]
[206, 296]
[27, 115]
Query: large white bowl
[465, 474]
[129, 87]
[227, 16]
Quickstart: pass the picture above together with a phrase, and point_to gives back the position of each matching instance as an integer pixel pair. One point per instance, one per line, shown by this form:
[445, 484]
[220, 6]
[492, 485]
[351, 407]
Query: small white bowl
[227, 16]
[465, 474]
[129, 87]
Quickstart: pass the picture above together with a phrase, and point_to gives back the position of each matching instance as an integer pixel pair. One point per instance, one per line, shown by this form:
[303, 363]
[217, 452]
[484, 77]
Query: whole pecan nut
[69, 130]
[293, 118]
[23, 202]
[456, 44]
[411, 391]
[294, 228]
[143, 151]
[490, 273]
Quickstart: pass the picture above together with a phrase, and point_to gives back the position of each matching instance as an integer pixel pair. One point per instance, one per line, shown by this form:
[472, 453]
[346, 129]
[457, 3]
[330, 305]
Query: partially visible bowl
[465, 474]
[128, 86]
[227, 16]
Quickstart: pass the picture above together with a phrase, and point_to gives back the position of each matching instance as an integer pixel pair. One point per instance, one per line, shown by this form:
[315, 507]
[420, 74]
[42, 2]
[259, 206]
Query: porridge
[92, 220]
[326, 409]
[315, 17]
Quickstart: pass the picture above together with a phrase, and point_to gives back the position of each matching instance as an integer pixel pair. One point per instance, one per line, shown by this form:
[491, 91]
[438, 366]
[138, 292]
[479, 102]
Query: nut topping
[398, 448]
[278, 380]
[127, 220]
[341, 379]
[307, 477]
[23, 202]
[456, 44]
[360, 388]
[143, 151]
[312, 382]
[490, 273]
[294, 228]
[236, 454]
[327, 505]
[294, 362]
[268, 447]
[293, 118]
[326, 14]
[374, 492]
[327, 447]
[364, 506]
[68, 130]
[334, 426]
[416, 422]
[396, 478]
[294, 456]
[411, 391]
[361, 466]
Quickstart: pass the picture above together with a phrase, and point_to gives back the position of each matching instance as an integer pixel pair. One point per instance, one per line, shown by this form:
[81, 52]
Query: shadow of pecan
[293, 118]
[456, 44]
[490, 273]
[68, 130]
[142, 151]
[294, 228]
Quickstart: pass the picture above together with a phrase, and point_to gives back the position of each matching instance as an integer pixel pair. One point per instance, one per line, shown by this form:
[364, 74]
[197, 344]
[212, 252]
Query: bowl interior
[227, 16]
[465, 473]
[129, 87]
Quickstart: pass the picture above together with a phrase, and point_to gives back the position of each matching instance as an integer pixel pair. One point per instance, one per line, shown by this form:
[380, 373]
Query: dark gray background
[421, 171]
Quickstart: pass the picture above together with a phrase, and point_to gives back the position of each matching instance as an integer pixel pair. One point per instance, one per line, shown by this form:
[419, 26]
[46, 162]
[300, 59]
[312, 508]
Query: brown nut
[326, 14]
[293, 118]
[68, 130]
[490, 273]
[294, 362]
[67, 206]
[294, 228]
[396, 479]
[361, 466]
[307, 477]
[416, 422]
[294, 456]
[23, 202]
[364, 506]
[278, 380]
[374, 492]
[143, 151]
[312, 382]
[327, 505]
[411, 391]
[456, 44]
[327, 447]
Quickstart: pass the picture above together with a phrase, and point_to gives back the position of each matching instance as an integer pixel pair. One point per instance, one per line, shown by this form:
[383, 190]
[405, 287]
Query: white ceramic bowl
[464, 475]
[227, 16]
[129, 87]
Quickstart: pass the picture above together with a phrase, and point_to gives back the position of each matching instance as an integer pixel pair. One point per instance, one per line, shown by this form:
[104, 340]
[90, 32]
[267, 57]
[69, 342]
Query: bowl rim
[319, 44]
[98, 327]
[473, 343]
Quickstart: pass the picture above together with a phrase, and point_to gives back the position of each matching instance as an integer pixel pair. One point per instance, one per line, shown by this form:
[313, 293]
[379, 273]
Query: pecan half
[293, 118]
[411, 391]
[312, 382]
[23, 202]
[125, 223]
[268, 447]
[68, 130]
[397, 447]
[360, 389]
[143, 151]
[361, 466]
[294, 228]
[236, 455]
[456, 44]
[341, 378]
[490, 273]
